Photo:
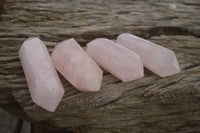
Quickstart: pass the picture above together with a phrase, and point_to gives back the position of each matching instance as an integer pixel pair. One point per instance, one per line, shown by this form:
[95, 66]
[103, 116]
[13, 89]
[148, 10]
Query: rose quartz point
[116, 59]
[158, 59]
[43, 82]
[76, 66]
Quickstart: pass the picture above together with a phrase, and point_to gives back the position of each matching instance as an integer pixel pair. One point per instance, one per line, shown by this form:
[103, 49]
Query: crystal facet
[156, 58]
[44, 84]
[76, 66]
[116, 59]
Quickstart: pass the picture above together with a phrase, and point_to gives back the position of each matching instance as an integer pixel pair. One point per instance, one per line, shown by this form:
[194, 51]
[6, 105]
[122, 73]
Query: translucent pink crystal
[76, 66]
[116, 59]
[44, 84]
[156, 58]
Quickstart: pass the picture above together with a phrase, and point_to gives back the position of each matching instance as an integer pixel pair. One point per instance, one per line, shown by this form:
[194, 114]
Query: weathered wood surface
[151, 104]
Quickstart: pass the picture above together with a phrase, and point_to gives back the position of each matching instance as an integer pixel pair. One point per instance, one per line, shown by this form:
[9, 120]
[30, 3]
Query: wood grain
[151, 104]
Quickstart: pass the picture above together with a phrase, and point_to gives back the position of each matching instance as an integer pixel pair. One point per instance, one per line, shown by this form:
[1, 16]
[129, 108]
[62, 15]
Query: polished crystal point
[116, 59]
[76, 66]
[156, 58]
[43, 82]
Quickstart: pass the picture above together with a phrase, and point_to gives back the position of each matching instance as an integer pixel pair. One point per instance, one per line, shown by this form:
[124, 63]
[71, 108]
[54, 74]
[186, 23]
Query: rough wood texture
[151, 104]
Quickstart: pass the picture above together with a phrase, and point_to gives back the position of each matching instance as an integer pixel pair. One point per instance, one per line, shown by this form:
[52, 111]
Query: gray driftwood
[151, 104]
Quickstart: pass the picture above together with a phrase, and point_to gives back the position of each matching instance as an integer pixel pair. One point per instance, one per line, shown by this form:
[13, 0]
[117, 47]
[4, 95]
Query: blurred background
[8, 123]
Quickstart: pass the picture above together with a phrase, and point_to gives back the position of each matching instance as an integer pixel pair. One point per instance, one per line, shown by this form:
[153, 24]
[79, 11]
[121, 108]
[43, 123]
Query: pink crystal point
[116, 59]
[156, 58]
[76, 66]
[44, 84]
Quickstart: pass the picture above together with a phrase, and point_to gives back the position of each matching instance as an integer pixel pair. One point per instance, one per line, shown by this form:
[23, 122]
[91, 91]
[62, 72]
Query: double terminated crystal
[69, 58]
[44, 84]
[82, 72]
[76, 66]
[116, 59]
[158, 59]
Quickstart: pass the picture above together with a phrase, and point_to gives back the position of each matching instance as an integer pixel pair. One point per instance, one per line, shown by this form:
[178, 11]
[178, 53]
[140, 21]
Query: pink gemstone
[119, 61]
[44, 84]
[156, 58]
[76, 66]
